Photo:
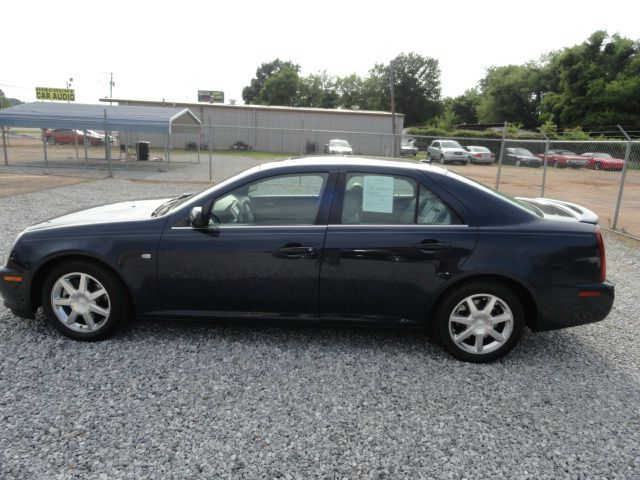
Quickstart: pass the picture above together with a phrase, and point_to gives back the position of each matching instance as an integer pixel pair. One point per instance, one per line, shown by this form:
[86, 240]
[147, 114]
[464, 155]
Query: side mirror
[197, 218]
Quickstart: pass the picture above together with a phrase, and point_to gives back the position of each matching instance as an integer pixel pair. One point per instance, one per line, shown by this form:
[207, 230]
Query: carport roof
[92, 117]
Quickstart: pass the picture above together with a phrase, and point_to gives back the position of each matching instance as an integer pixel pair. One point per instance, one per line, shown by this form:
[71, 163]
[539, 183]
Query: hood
[116, 212]
[562, 211]
[528, 157]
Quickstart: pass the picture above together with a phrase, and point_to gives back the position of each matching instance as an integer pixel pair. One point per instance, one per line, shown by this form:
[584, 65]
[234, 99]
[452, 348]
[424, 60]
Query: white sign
[377, 194]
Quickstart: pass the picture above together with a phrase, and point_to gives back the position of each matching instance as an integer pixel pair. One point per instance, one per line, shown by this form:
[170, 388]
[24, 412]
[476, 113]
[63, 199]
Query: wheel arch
[37, 281]
[520, 290]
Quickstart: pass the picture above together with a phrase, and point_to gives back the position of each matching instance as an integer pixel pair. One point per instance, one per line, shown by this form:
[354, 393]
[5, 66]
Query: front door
[259, 257]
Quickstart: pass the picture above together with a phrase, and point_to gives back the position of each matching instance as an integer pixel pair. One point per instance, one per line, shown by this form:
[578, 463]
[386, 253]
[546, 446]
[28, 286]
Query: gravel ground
[193, 400]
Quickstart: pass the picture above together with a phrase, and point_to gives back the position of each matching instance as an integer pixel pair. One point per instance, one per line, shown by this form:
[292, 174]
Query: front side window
[278, 200]
[376, 199]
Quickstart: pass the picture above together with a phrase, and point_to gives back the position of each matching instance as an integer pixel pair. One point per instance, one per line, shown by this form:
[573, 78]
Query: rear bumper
[15, 294]
[572, 305]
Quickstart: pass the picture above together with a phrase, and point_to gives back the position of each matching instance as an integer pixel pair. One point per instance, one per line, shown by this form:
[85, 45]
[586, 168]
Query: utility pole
[68, 83]
[111, 84]
[393, 107]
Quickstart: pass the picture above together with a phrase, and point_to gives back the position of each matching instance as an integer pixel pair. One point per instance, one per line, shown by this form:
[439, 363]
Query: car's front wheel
[518, 163]
[51, 140]
[479, 322]
[84, 301]
[442, 159]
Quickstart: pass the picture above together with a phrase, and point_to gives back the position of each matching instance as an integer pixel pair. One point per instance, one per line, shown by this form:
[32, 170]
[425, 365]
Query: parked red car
[69, 136]
[603, 161]
[563, 159]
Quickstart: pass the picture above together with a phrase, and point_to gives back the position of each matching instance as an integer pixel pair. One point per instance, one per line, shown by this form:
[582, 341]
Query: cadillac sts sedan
[325, 240]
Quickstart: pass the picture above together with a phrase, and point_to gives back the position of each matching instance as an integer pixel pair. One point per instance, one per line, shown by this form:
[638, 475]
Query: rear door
[392, 242]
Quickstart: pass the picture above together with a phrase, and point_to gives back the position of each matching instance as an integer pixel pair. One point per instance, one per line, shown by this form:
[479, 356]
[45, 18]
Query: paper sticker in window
[377, 194]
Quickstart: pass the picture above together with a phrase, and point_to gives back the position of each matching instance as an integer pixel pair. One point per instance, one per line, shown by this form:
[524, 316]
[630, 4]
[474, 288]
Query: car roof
[349, 161]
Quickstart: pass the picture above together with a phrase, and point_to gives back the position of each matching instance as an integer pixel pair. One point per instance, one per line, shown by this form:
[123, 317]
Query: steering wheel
[246, 211]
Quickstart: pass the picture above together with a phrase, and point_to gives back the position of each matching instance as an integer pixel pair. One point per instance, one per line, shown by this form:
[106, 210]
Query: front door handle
[431, 246]
[295, 251]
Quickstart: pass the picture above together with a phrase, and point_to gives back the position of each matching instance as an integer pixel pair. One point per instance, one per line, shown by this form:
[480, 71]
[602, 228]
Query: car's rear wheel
[555, 164]
[518, 163]
[479, 322]
[84, 301]
[51, 140]
[598, 166]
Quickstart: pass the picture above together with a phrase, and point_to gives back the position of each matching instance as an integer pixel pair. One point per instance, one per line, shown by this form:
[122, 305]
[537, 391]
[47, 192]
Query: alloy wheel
[80, 302]
[481, 323]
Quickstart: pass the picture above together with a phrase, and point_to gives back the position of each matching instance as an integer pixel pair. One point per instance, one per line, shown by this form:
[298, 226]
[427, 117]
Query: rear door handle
[428, 246]
[296, 251]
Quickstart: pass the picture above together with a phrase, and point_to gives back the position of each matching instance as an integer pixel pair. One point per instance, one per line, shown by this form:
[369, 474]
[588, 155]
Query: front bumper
[15, 294]
[572, 305]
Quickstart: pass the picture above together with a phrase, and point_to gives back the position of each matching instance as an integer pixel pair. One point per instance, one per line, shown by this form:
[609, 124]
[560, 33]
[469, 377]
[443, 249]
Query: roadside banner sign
[211, 96]
[59, 94]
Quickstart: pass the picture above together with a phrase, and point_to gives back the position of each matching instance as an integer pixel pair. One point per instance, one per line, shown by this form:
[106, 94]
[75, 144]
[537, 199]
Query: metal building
[279, 129]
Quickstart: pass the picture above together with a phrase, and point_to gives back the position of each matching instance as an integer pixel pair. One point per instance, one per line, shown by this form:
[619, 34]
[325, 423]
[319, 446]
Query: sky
[170, 50]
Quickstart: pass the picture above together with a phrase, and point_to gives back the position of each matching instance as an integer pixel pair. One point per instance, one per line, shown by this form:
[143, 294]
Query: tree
[251, 93]
[511, 93]
[6, 102]
[594, 84]
[281, 88]
[465, 106]
[350, 91]
[416, 85]
[318, 90]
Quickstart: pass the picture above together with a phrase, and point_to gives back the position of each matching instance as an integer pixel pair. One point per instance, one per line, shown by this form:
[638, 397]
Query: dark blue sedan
[326, 240]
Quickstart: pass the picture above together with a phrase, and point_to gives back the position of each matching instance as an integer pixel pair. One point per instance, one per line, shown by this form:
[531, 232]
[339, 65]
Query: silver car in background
[479, 154]
[447, 151]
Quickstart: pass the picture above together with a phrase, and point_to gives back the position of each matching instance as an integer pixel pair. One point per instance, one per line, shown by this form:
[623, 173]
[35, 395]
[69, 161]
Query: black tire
[555, 164]
[442, 159]
[598, 166]
[518, 163]
[51, 140]
[452, 303]
[116, 301]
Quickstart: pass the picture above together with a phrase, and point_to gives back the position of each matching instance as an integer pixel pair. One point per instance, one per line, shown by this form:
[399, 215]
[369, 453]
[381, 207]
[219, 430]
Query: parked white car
[338, 147]
[447, 151]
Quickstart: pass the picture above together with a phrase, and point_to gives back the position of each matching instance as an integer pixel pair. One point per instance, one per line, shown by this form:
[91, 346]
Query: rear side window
[375, 199]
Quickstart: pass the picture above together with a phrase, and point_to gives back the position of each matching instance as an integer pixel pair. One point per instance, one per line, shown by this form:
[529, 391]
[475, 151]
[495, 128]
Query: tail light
[477, 155]
[603, 259]
[493, 156]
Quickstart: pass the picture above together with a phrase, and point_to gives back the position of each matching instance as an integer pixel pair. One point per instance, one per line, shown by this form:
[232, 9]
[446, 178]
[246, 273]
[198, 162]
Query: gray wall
[275, 130]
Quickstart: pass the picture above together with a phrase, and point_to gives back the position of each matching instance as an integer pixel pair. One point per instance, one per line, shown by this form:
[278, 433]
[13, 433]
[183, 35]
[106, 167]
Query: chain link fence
[602, 175]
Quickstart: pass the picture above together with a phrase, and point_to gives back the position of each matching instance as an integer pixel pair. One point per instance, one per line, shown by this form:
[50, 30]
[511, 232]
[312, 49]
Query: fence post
[107, 143]
[4, 146]
[75, 139]
[302, 139]
[504, 138]
[86, 154]
[614, 226]
[199, 142]
[544, 170]
[211, 153]
[44, 143]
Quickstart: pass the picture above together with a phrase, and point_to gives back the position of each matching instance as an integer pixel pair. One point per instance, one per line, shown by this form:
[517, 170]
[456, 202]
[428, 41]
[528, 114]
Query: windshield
[450, 144]
[566, 152]
[523, 151]
[479, 149]
[339, 143]
[601, 155]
